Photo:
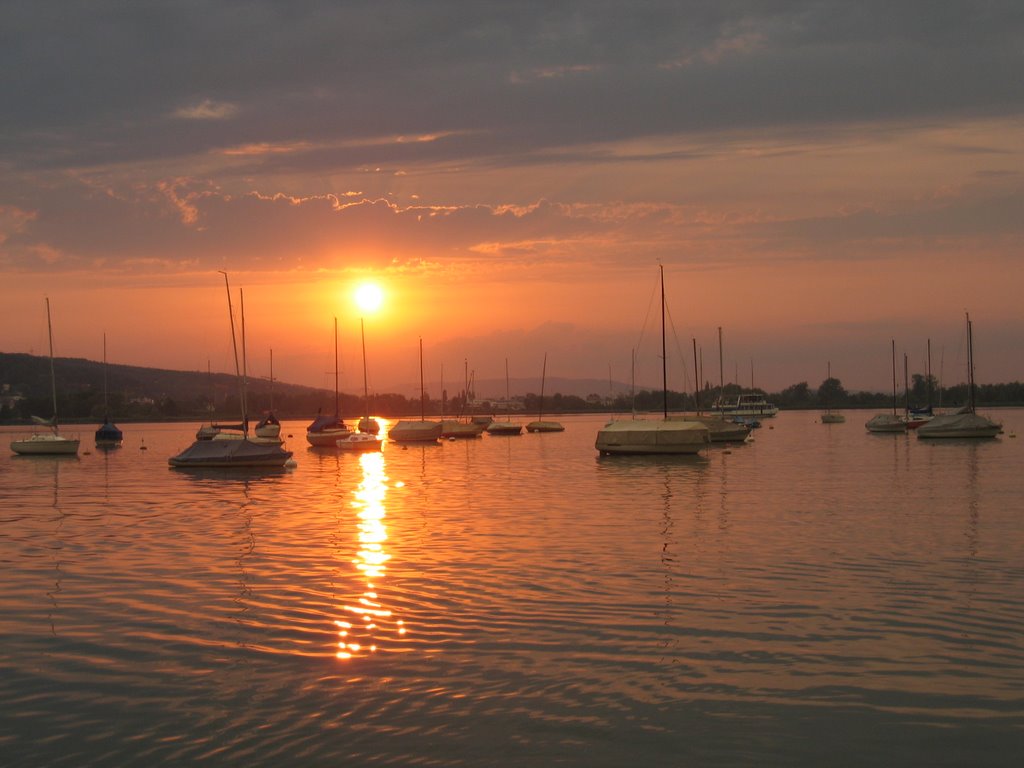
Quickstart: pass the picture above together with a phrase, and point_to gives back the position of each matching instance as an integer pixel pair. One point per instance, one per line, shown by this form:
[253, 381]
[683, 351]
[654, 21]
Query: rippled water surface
[820, 596]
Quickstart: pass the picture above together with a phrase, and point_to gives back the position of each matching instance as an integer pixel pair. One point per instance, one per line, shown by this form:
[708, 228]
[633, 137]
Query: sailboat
[722, 430]
[888, 422]
[52, 442]
[367, 425]
[269, 428]
[325, 431]
[507, 428]
[108, 435]
[462, 427]
[225, 451]
[828, 417]
[965, 422]
[540, 425]
[654, 437]
[422, 431]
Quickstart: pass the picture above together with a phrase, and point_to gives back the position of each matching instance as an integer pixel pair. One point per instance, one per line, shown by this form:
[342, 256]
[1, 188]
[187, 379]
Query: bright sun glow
[369, 297]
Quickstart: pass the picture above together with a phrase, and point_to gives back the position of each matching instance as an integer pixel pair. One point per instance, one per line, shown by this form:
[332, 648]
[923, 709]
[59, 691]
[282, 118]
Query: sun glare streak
[367, 615]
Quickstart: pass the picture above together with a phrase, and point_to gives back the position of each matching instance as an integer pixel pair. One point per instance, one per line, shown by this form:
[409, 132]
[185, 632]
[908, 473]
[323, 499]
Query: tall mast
[105, 376]
[696, 379]
[906, 387]
[894, 377]
[929, 375]
[337, 409]
[53, 376]
[543, 375]
[366, 389]
[245, 367]
[970, 364]
[234, 342]
[423, 397]
[271, 380]
[721, 370]
[664, 357]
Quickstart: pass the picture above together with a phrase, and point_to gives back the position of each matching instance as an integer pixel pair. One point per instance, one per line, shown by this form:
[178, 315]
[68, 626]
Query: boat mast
[337, 409]
[234, 343]
[929, 369]
[105, 408]
[696, 379]
[53, 376]
[423, 396]
[245, 368]
[894, 377]
[970, 364]
[906, 388]
[271, 380]
[366, 389]
[543, 375]
[664, 357]
[721, 371]
[508, 394]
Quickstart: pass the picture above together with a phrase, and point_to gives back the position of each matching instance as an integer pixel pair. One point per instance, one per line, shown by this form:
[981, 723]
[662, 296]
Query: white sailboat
[234, 449]
[888, 422]
[965, 423]
[47, 443]
[540, 425]
[654, 437]
[367, 424]
[325, 431]
[507, 428]
[828, 417]
[422, 431]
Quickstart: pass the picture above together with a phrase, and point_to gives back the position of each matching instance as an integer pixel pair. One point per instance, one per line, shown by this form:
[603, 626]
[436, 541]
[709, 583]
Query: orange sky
[513, 185]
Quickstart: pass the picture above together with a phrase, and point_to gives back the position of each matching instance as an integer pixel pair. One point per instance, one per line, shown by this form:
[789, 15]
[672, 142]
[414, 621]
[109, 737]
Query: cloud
[207, 109]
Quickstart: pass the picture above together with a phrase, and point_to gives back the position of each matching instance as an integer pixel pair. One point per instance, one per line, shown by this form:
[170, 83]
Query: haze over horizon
[816, 178]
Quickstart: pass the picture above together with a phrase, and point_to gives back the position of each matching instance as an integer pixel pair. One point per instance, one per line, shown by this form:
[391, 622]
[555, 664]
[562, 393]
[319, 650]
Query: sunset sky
[816, 177]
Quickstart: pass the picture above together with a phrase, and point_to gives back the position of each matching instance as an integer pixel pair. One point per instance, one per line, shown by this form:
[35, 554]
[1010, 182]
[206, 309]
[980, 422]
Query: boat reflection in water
[367, 618]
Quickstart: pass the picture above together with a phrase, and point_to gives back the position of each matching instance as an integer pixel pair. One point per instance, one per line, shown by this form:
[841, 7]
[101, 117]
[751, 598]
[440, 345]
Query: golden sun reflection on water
[367, 619]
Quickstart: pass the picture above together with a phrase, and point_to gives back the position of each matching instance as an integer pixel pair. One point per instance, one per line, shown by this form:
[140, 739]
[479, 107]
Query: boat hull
[460, 429]
[327, 438]
[544, 426]
[415, 432]
[885, 423]
[504, 429]
[636, 438]
[45, 445]
[360, 442]
[832, 418]
[220, 454]
[959, 425]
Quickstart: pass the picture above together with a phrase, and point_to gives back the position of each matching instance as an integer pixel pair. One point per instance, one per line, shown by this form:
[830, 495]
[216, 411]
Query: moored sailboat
[965, 423]
[236, 451]
[540, 425]
[654, 437]
[325, 431]
[50, 443]
[828, 417]
[888, 422]
[507, 428]
[422, 431]
[108, 435]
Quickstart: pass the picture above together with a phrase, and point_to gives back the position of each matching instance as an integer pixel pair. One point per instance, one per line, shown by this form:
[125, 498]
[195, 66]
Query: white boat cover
[413, 431]
[885, 422]
[231, 453]
[652, 437]
[959, 425]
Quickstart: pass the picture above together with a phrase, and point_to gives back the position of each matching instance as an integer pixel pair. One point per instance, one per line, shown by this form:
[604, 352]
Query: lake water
[820, 596]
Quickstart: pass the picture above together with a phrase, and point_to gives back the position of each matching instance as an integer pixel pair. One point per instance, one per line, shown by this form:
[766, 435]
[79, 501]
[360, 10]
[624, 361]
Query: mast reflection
[368, 620]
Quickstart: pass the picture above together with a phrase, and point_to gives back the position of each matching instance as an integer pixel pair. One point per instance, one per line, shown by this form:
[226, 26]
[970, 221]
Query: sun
[369, 297]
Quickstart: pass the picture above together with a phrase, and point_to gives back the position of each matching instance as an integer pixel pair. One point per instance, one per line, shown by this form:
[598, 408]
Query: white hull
[886, 423]
[652, 437]
[504, 428]
[360, 442]
[544, 426]
[45, 445]
[415, 432]
[327, 438]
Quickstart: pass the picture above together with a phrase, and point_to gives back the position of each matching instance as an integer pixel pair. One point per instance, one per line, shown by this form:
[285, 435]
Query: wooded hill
[149, 394]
